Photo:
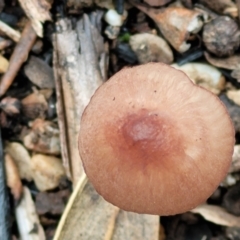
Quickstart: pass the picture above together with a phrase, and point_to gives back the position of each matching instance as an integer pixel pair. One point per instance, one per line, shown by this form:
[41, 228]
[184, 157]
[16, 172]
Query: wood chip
[38, 12]
[39, 73]
[75, 88]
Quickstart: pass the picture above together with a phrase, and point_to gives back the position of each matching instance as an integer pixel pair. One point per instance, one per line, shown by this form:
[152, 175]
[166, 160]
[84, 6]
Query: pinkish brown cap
[153, 142]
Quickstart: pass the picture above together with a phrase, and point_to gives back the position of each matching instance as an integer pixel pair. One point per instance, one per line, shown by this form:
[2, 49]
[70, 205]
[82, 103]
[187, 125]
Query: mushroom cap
[153, 142]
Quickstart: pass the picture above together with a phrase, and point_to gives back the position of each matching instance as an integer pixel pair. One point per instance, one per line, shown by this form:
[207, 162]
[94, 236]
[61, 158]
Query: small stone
[115, 19]
[221, 36]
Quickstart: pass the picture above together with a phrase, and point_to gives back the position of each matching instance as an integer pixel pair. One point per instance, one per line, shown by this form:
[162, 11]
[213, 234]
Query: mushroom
[153, 142]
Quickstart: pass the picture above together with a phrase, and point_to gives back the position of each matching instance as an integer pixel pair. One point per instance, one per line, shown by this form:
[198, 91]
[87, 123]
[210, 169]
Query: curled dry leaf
[235, 167]
[22, 159]
[231, 63]
[38, 12]
[217, 215]
[151, 48]
[39, 73]
[47, 171]
[28, 223]
[13, 178]
[34, 105]
[204, 75]
[176, 24]
[43, 137]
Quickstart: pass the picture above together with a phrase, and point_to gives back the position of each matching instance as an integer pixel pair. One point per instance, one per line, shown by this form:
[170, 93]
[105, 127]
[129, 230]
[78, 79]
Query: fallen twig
[18, 57]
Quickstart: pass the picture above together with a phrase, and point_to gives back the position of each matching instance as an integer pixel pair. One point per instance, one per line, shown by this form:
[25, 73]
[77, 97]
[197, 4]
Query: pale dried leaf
[217, 215]
[234, 95]
[3, 64]
[10, 32]
[27, 219]
[13, 178]
[47, 171]
[94, 216]
[22, 159]
[38, 12]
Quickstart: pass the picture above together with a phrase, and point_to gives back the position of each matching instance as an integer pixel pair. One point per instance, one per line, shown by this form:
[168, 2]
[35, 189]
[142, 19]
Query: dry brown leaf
[175, 23]
[38, 12]
[47, 171]
[217, 215]
[22, 159]
[13, 178]
[28, 223]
